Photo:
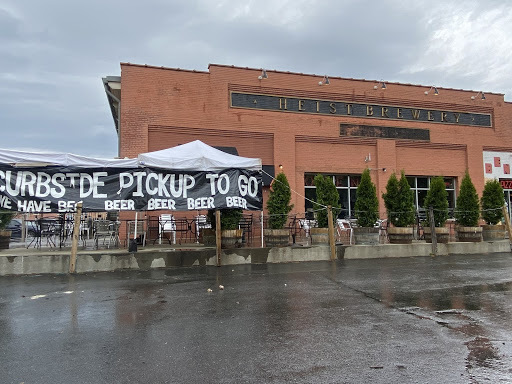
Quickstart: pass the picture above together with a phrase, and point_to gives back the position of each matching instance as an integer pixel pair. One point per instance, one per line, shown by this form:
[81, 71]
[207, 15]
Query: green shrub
[468, 207]
[492, 202]
[399, 201]
[367, 205]
[229, 218]
[278, 204]
[437, 198]
[5, 218]
[326, 194]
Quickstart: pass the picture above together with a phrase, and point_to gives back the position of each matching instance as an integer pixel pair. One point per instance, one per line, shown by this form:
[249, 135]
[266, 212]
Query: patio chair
[344, 226]
[102, 229]
[167, 224]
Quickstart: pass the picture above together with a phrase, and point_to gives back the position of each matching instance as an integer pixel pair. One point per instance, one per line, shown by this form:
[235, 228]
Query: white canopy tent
[195, 155]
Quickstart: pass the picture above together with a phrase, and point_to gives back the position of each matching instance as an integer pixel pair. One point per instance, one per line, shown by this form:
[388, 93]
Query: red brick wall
[162, 107]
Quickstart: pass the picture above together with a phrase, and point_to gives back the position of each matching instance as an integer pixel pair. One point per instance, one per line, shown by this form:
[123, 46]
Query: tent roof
[196, 155]
[35, 159]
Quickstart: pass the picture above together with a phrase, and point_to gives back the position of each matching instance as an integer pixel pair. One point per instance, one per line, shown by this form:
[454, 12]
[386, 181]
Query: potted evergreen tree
[326, 194]
[468, 212]
[366, 211]
[492, 202]
[231, 235]
[278, 206]
[399, 202]
[5, 235]
[437, 198]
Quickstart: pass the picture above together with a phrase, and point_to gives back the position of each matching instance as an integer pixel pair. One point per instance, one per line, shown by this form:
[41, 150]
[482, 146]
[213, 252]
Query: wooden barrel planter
[208, 237]
[493, 232]
[5, 239]
[442, 234]
[400, 235]
[231, 238]
[469, 234]
[319, 236]
[366, 235]
[276, 237]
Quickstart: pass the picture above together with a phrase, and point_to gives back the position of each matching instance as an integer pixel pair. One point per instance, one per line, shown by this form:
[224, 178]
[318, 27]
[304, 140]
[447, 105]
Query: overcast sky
[53, 53]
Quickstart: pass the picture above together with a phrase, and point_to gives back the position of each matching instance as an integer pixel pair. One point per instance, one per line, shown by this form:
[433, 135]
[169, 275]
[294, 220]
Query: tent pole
[135, 230]
[261, 229]
[218, 234]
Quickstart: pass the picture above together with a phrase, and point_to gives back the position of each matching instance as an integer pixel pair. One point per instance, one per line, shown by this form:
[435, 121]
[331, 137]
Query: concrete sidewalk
[21, 261]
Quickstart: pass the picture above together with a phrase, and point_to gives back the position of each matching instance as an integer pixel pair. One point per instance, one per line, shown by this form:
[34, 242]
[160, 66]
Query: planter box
[276, 237]
[208, 237]
[470, 234]
[231, 238]
[400, 235]
[442, 235]
[366, 235]
[319, 235]
[493, 232]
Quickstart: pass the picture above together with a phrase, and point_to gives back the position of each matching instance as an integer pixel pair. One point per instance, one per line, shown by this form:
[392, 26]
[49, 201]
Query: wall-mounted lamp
[482, 96]
[384, 169]
[263, 75]
[381, 85]
[368, 158]
[281, 167]
[325, 81]
[436, 92]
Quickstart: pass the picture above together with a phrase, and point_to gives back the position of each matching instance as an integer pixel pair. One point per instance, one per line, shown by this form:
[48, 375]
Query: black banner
[59, 189]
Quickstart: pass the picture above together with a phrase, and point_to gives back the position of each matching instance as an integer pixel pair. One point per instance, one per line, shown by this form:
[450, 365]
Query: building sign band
[342, 108]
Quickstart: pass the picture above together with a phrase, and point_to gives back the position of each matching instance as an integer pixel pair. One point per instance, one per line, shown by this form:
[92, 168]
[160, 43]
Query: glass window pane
[341, 181]
[411, 181]
[343, 203]
[422, 182]
[421, 197]
[448, 182]
[354, 181]
[310, 193]
[352, 201]
[451, 199]
[308, 180]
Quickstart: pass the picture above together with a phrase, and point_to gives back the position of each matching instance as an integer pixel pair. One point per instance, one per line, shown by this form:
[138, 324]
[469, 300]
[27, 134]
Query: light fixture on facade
[382, 85]
[482, 96]
[281, 167]
[436, 92]
[263, 75]
[325, 81]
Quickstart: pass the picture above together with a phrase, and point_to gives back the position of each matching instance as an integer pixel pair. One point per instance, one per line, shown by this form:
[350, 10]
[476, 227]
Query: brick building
[309, 124]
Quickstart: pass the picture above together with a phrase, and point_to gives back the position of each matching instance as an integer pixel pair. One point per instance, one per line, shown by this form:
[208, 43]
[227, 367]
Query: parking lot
[412, 320]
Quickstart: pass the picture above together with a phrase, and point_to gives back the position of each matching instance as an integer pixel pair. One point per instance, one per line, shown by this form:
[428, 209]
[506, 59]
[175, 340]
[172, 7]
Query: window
[420, 186]
[346, 186]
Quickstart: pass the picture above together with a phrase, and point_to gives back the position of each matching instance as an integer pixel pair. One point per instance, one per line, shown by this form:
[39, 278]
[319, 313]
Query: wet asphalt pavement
[412, 320]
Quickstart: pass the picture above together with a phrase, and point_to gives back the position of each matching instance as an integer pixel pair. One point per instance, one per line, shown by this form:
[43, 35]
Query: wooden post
[218, 237]
[507, 222]
[331, 233]
[433, 230]
[23, 228]
[76, 236]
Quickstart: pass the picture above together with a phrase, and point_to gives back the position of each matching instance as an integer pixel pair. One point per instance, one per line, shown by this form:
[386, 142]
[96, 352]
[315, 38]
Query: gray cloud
[54, 53]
